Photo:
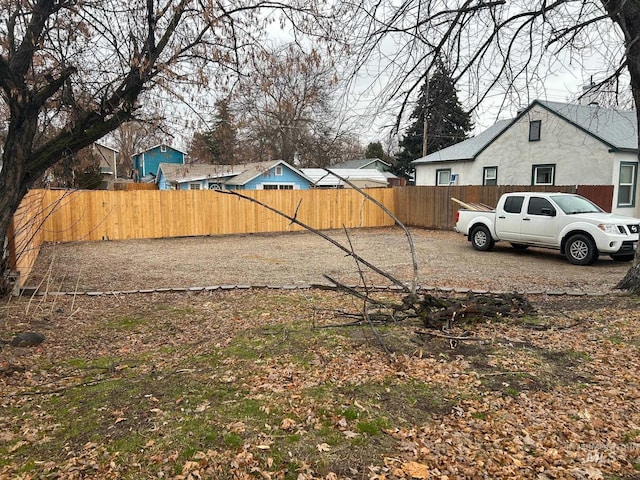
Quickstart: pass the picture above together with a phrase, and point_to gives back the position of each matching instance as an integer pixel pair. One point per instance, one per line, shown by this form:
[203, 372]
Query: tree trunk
[13, 191]
[627, 16]
[15, 180]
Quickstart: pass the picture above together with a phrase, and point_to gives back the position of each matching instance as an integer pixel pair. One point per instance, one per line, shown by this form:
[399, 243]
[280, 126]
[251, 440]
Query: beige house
[548, 143]
[108, 158]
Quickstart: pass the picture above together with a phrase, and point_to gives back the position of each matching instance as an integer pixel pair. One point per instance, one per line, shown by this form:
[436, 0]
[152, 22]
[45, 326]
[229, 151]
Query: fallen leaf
[323, 447]
[236, 427]
[415, 470]
[287, 424]
[17, 446]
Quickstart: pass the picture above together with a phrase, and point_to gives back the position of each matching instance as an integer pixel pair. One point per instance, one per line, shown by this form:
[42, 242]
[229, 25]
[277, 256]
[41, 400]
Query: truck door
[509, 219]
[540, 222]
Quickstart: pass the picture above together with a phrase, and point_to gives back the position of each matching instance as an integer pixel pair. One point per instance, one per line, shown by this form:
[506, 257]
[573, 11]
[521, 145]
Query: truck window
[540, 206]
[513, 204]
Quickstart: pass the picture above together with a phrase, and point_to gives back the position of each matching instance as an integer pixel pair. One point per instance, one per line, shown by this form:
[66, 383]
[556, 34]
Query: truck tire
[580, 250]
[481, 238]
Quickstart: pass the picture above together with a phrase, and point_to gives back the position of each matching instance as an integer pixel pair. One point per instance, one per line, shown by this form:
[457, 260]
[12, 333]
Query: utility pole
[425, 122]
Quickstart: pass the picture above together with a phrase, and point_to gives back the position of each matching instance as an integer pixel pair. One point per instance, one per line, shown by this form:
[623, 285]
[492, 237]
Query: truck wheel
[580, 250]
[481, 239]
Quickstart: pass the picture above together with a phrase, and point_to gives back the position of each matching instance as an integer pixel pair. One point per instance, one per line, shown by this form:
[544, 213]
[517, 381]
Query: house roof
[157, 146]
[469, 148]
[321, 178]
[252, 170]
[191, 172]
[618, 129]
[100, 144]
[364, 163]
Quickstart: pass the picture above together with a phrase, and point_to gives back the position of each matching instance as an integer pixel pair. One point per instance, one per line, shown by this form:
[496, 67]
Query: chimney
[589, 94]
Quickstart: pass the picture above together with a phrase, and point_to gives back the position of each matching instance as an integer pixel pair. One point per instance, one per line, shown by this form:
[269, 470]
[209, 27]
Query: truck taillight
[457, 216]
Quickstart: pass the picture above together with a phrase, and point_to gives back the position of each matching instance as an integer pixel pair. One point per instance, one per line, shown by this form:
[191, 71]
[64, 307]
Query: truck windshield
[572, 204]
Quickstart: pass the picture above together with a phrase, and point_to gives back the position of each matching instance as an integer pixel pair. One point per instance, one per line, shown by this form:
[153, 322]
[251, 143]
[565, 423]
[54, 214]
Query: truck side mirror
[549, 212]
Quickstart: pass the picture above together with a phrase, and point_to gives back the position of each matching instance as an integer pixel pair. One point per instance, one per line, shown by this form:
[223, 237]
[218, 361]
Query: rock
[27, 339]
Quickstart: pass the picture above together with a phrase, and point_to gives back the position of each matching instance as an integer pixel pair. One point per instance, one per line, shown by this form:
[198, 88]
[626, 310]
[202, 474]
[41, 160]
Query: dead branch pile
[440, 312]
[444, 312]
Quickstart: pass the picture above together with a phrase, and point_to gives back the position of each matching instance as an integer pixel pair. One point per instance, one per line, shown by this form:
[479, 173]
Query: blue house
[147, 162]
[274, 175]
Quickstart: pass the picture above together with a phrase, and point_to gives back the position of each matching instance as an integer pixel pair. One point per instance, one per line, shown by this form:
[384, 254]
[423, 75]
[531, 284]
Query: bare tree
[285, 107]
[499, 48]
[132, 138]
[71, 72]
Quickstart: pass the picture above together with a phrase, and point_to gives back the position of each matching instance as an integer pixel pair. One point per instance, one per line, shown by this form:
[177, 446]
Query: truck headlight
[608, 228]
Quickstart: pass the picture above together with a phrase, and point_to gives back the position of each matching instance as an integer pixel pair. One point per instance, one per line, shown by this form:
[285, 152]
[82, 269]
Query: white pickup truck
[570, 223]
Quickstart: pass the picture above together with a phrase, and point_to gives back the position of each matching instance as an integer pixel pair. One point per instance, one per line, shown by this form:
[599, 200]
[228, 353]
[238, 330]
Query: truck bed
[477, 207]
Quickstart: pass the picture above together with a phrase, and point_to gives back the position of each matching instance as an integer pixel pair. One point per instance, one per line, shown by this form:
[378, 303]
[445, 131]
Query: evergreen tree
[222, 140]
[217, 145]
[447, 122]
[374, 150]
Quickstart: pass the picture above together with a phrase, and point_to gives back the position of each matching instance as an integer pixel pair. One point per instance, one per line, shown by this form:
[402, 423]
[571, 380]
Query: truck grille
[633, 228]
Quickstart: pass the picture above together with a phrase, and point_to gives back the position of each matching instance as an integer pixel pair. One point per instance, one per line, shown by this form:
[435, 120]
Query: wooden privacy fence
[431, 207]
[112, 215]
[26, 235]
[66, 216]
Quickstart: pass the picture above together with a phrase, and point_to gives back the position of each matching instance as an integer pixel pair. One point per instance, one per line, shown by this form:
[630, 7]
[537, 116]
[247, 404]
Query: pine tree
[217, 145]
[374, 150]
[447, 122]
[222, 141]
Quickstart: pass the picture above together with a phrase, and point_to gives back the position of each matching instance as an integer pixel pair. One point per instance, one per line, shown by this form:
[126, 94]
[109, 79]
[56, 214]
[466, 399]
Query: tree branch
[358, 258]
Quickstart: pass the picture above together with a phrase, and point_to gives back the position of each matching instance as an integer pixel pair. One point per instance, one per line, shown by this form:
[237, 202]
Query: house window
[443, 177]
[279, 170]
[627, 185]
[194, 186]
[543, 175]
[490, 176]
[534, 130]
[163, 148]
[276, 186]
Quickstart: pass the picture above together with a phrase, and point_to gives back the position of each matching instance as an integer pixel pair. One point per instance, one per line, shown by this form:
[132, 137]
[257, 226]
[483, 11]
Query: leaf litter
[244, 384]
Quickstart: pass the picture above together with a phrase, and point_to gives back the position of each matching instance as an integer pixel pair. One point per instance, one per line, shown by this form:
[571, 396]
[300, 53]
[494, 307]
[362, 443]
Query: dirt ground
[445, 259]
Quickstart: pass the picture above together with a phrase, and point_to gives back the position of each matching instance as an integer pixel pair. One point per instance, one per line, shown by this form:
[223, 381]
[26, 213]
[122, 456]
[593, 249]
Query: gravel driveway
[445, 259]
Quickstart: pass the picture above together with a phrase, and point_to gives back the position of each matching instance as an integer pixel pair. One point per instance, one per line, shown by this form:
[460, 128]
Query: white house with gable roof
[548, 143]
